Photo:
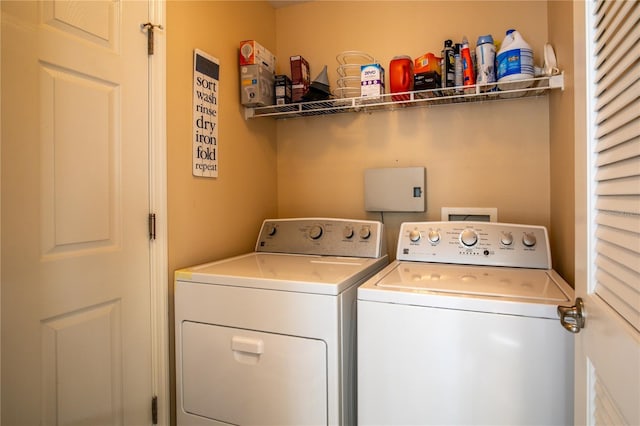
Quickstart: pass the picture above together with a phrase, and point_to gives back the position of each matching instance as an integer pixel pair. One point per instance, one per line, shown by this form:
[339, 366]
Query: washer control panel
[475, 243]
[323, 236]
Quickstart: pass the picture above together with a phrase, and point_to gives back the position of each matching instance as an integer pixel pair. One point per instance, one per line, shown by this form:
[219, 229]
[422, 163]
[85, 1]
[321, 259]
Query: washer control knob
[315, 232]
[347, 232]
[434, 236]
[414, 235]
[506, 238]
[469, 237]
[365, 232]
[529, 239]
[271, 230]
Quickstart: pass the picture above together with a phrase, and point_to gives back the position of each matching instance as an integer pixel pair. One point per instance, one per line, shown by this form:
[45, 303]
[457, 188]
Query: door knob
[572, 317]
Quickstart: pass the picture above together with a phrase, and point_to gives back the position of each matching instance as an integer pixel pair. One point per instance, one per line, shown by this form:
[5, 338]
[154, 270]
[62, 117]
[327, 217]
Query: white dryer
[268, 337]
[462, 329]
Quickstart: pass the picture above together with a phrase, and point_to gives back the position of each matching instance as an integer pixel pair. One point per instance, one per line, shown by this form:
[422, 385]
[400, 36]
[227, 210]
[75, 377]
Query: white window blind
[616, 150]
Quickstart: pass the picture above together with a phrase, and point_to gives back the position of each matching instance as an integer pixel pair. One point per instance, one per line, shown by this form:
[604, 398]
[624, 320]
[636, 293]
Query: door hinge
[154, 410]
[152, 226]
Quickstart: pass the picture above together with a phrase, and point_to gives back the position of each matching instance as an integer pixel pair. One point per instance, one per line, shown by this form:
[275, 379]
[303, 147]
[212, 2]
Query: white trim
[589, 129]
[158, 205]
[581, 133]
[1, 209]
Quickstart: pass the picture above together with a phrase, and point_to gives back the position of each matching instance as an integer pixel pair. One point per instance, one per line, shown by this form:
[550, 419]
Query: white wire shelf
[450, 95]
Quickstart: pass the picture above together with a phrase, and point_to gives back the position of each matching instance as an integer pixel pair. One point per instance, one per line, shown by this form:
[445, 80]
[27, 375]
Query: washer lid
[512, 283]
[517, 291]
[286, 272]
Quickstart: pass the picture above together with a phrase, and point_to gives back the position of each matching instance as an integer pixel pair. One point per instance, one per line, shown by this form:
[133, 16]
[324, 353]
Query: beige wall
[562, 136]
[216, 218]
[210, 218]
[509, 154]
[483, 155]
[515, 155]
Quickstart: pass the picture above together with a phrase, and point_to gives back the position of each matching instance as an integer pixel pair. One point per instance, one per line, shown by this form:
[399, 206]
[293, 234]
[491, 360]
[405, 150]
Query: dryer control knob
[469, 237]
[315, 232]
[347, 232]
[529, 239]
[506, 238]
[271, 230]
[414, 235]
[365, 232]
[434, 236]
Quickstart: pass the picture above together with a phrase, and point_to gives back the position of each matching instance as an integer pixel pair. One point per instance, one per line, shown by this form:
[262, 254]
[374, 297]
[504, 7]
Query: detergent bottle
[514, 62]
[468, 73]
[401, 77]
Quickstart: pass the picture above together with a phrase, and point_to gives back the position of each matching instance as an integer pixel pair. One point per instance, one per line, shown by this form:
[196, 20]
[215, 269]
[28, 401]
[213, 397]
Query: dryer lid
[286, 272]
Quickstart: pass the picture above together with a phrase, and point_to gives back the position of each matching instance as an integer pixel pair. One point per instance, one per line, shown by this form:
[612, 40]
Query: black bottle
[448, 65]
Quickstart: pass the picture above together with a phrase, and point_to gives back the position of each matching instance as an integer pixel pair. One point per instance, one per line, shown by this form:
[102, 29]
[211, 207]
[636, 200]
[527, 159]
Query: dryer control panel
[323, 237]
[475, 243]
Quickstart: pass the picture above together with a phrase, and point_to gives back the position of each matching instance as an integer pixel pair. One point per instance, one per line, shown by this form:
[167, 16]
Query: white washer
[462, 329]
[268, 337]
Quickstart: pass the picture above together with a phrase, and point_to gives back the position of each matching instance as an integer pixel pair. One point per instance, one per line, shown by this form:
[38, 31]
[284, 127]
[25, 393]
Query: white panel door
[76, 335]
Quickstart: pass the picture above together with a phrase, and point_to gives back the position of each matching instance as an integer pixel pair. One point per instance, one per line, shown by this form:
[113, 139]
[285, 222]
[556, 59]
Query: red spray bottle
[468, 76]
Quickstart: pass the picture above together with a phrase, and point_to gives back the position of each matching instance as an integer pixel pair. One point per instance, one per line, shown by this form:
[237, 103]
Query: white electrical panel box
[395, 189]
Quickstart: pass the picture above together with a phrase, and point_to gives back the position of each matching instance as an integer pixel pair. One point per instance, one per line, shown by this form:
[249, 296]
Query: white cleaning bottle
[485, 63]
[514, 62]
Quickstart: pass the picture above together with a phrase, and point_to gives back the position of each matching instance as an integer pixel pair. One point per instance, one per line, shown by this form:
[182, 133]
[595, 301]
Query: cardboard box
[252, 53]
[425, 81]
[427, 62]
[298, 91]
[300, 70]
[256, 85]
[371, 81]
[300, 77]
[283, 89]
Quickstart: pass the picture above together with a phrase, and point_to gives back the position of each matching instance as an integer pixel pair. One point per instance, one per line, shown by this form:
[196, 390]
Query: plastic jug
[514, 61]
[401, 77]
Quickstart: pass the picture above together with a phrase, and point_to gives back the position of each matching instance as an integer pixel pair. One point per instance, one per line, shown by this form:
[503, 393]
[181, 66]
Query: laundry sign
[206, 73]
